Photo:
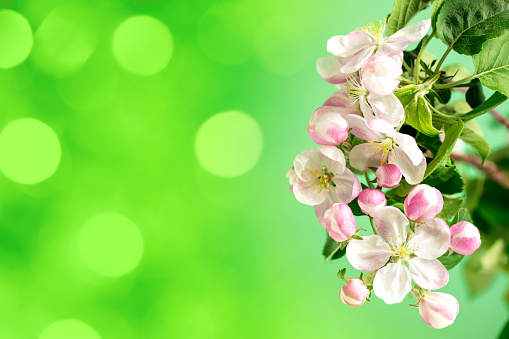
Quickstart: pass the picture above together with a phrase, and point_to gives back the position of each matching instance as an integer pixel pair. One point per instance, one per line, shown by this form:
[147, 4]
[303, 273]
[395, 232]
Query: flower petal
[306, 193]
[340, 99]
[321, 208]
[391, 224]
[430, 241]
[368, 254]
[367, 111]
[382, 126]
[428, 273]
[328, 68]
[411, 33]
[363, 156]
[327, 127]
[348, 45]
[360, 129]
[388, 108]
[392, 283]
[347, 186]
[413, 174]
[332, 158]
[408, 145]
[355, 63]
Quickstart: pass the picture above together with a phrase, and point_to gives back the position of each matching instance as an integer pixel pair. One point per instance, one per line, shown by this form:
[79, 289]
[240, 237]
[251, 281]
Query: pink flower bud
[380, 74]
[423, 203]
[438, 310]
[340, 222]
[465, 238]
[354, 293]
[370, 200]
[327, 127]
[388, 176]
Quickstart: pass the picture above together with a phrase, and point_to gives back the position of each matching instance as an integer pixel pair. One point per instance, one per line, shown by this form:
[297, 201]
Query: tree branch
[491, 170]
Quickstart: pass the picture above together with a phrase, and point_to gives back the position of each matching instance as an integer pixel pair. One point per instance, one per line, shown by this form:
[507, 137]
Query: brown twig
[491, 170]
[500, 118]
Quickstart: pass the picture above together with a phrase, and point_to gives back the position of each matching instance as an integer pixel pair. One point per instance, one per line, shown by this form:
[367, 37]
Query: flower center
[387, 147]
[401, 250]
[354, 90]
[324, 179]
[375, 30]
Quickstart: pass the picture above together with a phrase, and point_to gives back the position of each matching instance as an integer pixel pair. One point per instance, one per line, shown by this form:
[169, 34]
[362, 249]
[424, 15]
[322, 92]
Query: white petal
[307, 194]
[328, 68]
[392, 48]
[367, 111]
[391, 224]
[382, 126]
[428, 273]
[388, 108]
[431, 240]
[321, 208]
[305, 161]
[368, 254]
[392, 283]
[363, 156]
[408, 145]
[413, 174]
[355, 63]
[348, 45]
[347, 186]
[360, 129]
[332, 158]
[412, 33]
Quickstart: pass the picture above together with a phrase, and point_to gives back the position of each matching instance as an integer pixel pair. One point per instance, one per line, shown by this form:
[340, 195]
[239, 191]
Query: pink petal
[347, 186]
[388, 176]
[328, 68]
[368, 254]
[382, 126]
[465, 238]
[392, 283]
[408, 145]
[391, 224]
[428, 273]
[340, 222]
[439, 310]
[354, 293]
[423, 203]
[380, 74]
[370, 200]
[340, 99]
[430, 241]
[327, 127]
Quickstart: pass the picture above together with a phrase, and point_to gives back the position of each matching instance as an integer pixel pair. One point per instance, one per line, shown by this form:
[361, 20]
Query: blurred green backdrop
[143, 151]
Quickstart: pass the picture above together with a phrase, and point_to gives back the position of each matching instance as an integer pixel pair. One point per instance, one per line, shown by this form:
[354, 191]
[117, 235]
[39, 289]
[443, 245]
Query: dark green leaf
[437, 5]
[430, 143]
[402, 12]
[492, 64]
[330, 246]
[418, 115]
[465, 25]
[451, 136]
[446, 179]
[475, 95]
[505, 332]
[492, 102]
[354, 206]
[449, 261]
[452, 205]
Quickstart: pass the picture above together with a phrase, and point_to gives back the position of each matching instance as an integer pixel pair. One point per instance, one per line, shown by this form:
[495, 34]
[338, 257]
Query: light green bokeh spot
[110, 244]
[15, 38]
[62, 43]
[69, 328]
[29, 151]
[229, 144]
[142, 45]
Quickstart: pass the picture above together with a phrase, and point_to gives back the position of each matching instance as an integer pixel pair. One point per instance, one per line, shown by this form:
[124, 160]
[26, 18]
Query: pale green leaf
[492, 64]
[418, 115]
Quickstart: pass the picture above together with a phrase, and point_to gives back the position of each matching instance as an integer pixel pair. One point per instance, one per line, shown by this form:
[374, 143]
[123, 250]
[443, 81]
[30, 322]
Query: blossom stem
[367, 180]
[372, 221]
[333, 252]
[449, 49]
[409, 70]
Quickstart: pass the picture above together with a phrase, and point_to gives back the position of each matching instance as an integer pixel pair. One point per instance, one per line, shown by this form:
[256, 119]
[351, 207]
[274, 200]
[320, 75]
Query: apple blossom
[418, 250]
[423, 203]
[339, 222]
[388, 176]
[354, 48]
[380, 74]
[327, 127]
[329, 69]
[465, 238]
[370, 200]
[438, 310]
[354, 293]
[385, 146]
[323, 179]
[291, 175]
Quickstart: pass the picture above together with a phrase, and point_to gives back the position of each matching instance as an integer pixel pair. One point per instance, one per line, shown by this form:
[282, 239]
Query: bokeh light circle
[143, 45]
[110, 244]
[69, 328]
[229, 144]
[16, 38]
[29, 151]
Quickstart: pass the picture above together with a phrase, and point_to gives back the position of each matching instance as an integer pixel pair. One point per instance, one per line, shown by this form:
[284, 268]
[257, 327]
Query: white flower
[385, 146]
[418, 250]
[354, 48]
[322, 179]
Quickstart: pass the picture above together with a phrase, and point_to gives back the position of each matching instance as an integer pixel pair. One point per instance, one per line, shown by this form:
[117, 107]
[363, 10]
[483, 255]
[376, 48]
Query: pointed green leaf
[332, 245]
[465, 25]
[406, 94]
[354, 206]
[477, 141]
[492, 102]
[463, 215]
[492, 64]
[449, 261]
[418, 115]
[402, 12]
[452, 205]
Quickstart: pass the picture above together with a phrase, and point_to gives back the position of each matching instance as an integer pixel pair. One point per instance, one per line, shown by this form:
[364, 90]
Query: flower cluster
[358, 130]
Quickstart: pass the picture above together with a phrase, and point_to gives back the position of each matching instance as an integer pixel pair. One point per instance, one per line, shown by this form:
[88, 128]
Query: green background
[136, 225]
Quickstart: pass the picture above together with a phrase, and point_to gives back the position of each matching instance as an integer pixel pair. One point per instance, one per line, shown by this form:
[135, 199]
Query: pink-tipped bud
[354, 293]
[327, 127]
[388, 176]
[380, 74]
[370, 200]
[438, 310]
[465, 238]
[423, 203]
[340, 222]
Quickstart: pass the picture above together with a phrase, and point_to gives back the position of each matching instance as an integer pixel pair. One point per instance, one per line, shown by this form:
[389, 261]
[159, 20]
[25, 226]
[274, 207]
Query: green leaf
[465, 25]
[354, 206]
[404, 188]
[475, 95]
[492, 102]
[437, 6]
[402, 12]
[463, 215]
[418, 115]
[446, 179]
[452, 205]
[430, 143]
[483, 265]
[332, 245]
[406, 94]
[492, 64]
[505, 331]
[449, 261]
[451, 136]
[477, 141]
